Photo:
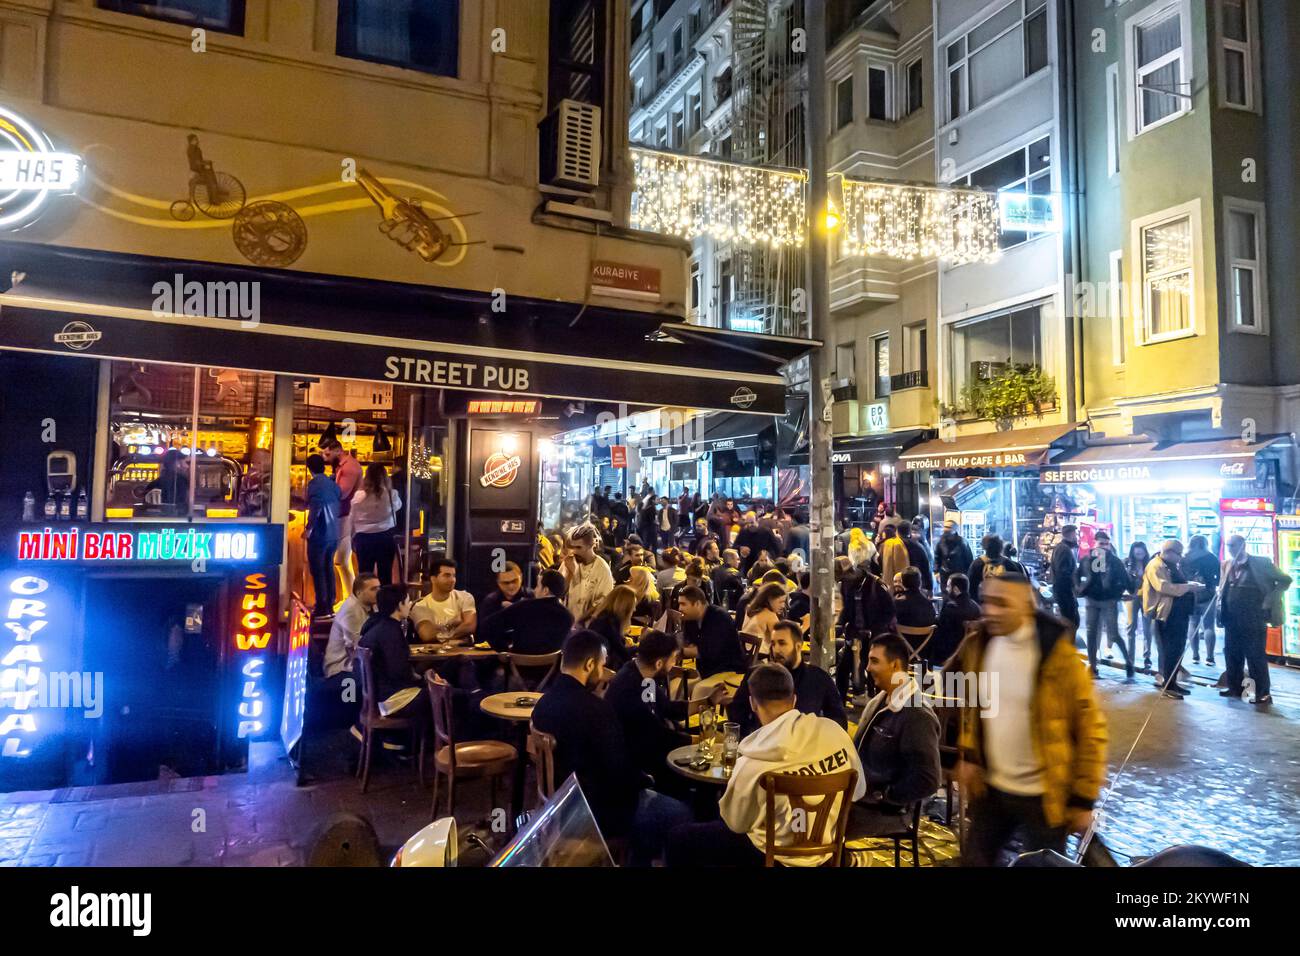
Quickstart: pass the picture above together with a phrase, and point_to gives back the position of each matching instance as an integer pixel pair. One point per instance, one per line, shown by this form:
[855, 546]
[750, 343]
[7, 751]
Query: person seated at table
[634, 556]
[648, 604]
[897, 742]
[697, 576]
[788, 741]
[957, 612]
[348, 621]
[612, 620]
[535, 626]
[589, 742]
[672, 572]
[709, 635]
[639, 695]
[912, 607]
[799, 604]
[399, 691]
[772, 576]
[763, 613]
[728, 583]
[444, 614]
[815, 690]
[510, 590]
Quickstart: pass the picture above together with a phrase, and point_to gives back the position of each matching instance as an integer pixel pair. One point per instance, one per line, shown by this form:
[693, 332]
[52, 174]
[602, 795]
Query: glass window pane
[876, 94]
[1036, 44]
[882, 366]
[1243, 285]
[419, 34]
[1234, 20]
[1156, 39]
[844, 102]
[1040, 154]
[1168, 246]
[1170, 303]
[955, 81]
[226, 16]
[915, 86]
[1241, 236]
[1234, 77]
[1002, 173]
[956, 51]
[1157, 103]
[997, 67]
[994, 25]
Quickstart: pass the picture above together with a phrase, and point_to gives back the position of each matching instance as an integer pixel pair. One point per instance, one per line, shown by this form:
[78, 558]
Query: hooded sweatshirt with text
[793, 743]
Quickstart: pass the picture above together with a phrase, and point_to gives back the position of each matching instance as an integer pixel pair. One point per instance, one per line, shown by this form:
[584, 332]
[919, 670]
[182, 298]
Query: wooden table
[424, 656]
[503, 706]
[713, 774]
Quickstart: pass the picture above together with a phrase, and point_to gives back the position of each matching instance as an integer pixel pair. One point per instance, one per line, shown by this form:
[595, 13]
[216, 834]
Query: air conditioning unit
[844, 390]
[571, 146]
[987, 371]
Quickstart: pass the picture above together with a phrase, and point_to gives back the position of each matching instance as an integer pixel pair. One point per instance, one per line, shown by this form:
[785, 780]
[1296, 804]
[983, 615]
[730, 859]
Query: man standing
[347, 474]
[685, 512]
[787, 742]
[753, 540]
[322, 533]
[1102, 581]
[444, 614]
[952, 555]
[1200, 565]
[991, 564]
[1250, 597]
[958, 611]
[814, 689]
[1168, 599]
[1064, 564]
[586, 573]
[1033, 753]
[893, 553]
[917, 557]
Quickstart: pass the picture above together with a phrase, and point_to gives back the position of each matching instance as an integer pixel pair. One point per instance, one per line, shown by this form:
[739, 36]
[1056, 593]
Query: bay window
[983, 348]
[1247, 283]
[995, 55]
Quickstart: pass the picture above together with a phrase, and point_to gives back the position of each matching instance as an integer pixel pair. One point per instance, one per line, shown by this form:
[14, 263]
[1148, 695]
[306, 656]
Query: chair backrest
[541, 668]
[750, 645]
[810, 839]
[916, 637]
[363, 669]
[541, 750]
[672, 622]
[444, 730]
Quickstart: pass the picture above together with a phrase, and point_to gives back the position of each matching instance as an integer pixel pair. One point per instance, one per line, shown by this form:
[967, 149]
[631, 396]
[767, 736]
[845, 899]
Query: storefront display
[1252, 518]
[1288, 561]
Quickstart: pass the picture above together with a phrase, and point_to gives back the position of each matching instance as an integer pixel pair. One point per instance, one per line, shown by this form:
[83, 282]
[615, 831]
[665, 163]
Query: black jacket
[589, 741]
[1202, 566]
[983, 566]
[645, 722]
[718, 642]
[1063, 564]
[899, 750]
[920, 559]
[952, 555]
[390, 655]
[757, 539]
[814, 693]
[953, 618]
[492, 604]
[797, 605]
[914, 610]
[610, 628]
[1101, 576]
[874, 610]
[535, 626]
[728, 586]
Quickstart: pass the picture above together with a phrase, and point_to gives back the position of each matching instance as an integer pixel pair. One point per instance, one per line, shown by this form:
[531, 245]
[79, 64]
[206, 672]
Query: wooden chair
[681, 678]
[917, 638]
[531, 672]
[909, 832]
[949, 714]
[811, 840]
[541, 751]
[372, 721]
[672, 622]
[750, 645]
[461, 759]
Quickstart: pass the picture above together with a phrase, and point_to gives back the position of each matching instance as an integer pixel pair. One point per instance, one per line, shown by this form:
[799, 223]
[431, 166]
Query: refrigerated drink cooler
[1288, 560]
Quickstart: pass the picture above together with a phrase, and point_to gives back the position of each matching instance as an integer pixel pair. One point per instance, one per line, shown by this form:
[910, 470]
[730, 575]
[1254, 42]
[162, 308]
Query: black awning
[732, 432]
[875, 448]
[111, 305]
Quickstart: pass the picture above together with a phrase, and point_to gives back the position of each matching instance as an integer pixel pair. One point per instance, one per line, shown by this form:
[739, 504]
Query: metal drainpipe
[1075, 250]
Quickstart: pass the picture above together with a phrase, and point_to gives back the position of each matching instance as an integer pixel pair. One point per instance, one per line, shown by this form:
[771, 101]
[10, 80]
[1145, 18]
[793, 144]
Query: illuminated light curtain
[1167, 259]
[898, 221]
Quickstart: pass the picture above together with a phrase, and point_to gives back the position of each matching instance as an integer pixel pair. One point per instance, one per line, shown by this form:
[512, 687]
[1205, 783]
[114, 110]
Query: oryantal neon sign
[20, 667]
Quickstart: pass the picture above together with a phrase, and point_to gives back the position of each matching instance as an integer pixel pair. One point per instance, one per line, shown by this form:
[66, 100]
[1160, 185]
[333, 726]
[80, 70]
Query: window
[1166, 257]
[695, 286]
[1237, 54]
[724, 147]
[880, 359]
[420, 35]
[877, 93]
[696, 110]
[1027, 170]
[997, 54]
[726, 291]
[679, 44]
[915, 86]
[661, 135]
[224, 16]
[722, 86]
[638, 21]
[1159, 75]
[984, 347]
[1114, 120]
[1119, 348]
[844, 102]
[638, 95]
[915, 349]
[678, 132]
[845, 363]
[1248, 285]
[661, 63]
[697, 23]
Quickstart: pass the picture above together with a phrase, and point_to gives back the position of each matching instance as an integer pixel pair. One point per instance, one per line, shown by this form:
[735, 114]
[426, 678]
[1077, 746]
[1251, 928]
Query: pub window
[223, 16]
[419, 35]
[189, 442]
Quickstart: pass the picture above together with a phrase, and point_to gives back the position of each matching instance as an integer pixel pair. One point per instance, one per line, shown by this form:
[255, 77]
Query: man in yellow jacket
[1033, 741]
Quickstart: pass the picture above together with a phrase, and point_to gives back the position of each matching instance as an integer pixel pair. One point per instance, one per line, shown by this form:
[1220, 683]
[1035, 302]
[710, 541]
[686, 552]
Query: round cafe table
[424, 656]
[712, 774]
[503, 706]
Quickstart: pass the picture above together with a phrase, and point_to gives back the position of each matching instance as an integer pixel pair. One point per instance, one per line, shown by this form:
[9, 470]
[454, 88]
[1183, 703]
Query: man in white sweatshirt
[787, 742]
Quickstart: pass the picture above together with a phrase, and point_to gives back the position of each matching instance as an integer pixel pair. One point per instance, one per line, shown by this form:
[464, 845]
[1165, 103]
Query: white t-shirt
[590, 584]
[445, 615]
[1013, 766]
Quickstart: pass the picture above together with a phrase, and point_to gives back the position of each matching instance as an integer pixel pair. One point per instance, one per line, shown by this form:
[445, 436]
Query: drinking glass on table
[708, 720]
[730, 746]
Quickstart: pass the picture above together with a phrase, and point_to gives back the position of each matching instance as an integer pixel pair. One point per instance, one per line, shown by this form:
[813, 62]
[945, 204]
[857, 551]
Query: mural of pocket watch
[269, 233]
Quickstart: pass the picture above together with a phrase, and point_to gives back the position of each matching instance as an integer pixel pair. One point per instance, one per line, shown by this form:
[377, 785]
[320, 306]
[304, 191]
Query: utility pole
[822, 516]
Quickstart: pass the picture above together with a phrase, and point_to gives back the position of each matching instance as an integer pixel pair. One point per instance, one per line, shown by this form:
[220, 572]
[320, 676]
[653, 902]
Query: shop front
[866, 472]
[156, 470]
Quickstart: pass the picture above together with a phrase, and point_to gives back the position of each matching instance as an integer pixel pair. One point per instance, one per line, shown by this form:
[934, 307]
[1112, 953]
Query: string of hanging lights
[693, 196]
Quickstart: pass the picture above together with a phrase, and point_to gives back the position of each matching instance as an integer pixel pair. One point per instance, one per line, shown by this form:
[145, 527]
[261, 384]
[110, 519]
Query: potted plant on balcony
[1013, 394]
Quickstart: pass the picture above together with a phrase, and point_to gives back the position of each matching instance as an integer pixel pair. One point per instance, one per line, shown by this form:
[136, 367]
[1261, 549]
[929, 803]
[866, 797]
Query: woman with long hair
[642, 581]
[764, 610]
[697, 575]
[611, 621]
[1136, 565]
[374, 519]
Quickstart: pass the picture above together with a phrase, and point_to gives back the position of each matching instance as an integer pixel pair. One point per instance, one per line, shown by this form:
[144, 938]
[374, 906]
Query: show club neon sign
[252, 634]
[20, 670]
[30, 169]
[166, 545]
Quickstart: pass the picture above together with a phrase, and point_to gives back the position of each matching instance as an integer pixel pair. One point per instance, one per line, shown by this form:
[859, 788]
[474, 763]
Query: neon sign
[30, 169]
[20, 671]
[168, 544]
[294, 709]
[252, 634]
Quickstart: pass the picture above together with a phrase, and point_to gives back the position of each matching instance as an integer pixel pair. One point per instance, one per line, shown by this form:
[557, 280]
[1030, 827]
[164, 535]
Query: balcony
[845, 390]
[918, 379]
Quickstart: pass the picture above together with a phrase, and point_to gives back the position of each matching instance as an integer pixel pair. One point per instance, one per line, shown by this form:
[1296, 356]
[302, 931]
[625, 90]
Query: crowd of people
[626, 600]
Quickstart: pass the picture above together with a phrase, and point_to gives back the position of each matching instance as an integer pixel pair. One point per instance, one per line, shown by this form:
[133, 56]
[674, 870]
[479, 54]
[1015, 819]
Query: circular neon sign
[30, 169]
